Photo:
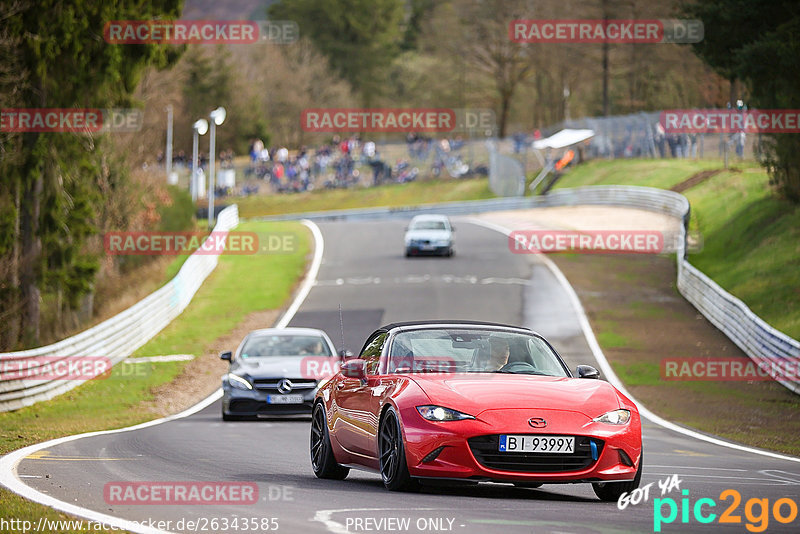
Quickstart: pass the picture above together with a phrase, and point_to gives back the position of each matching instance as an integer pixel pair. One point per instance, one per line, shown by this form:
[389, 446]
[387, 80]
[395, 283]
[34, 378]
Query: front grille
[270, 385]
[248, 406]
[485, 449]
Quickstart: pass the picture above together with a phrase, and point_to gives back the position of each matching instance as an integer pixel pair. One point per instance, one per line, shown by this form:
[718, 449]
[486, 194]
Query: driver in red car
[499, 354]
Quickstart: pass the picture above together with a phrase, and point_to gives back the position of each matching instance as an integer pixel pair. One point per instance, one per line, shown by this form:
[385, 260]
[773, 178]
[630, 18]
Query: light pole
[217, 118]
[200, 127]
[169, 143]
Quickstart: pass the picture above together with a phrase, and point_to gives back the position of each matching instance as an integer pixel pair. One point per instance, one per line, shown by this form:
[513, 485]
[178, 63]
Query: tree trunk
[30, 295]
[605, 64]
[505, 104]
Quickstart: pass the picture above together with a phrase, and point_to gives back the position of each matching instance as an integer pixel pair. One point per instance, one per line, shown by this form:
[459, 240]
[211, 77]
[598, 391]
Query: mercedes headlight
[614, 417]
[440, 413]
[238, 382]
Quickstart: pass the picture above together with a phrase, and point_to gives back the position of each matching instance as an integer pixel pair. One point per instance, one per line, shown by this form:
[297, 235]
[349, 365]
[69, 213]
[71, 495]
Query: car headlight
[440, 413]
[614, 417]
[238, 382]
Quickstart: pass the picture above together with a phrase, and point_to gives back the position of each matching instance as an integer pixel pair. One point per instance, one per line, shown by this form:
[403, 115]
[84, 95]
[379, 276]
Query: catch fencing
[506, 174]
[115, 338]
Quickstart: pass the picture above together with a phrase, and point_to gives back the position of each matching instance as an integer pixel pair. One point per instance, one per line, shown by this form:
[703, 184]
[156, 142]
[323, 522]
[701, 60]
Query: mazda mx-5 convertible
[474, 402]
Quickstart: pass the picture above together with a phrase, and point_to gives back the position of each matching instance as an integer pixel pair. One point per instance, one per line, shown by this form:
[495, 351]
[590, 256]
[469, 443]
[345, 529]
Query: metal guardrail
[117, 337]
[672, 204]
[762, 343]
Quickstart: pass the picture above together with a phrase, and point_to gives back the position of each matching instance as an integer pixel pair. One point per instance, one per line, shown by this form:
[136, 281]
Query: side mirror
[452, 228]
[227, 355]
[356, 368]
[587, 371]
[345, 354]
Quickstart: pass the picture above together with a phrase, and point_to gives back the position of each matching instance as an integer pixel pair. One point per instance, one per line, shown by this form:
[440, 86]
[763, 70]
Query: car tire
[611, 491]
[392, 455]
[322, 460]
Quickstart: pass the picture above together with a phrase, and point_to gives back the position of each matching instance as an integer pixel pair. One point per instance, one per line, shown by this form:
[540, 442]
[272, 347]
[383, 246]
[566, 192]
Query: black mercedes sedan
[276, 371]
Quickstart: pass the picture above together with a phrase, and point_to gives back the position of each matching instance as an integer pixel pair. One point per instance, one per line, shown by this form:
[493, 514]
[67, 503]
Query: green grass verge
[115, 402]
[392, 195]
[751, 244]
[224, 300]
[751, 239]
[662, 173]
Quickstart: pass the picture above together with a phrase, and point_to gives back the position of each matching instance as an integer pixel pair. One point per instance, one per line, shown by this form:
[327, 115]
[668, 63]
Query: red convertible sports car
[474, 402]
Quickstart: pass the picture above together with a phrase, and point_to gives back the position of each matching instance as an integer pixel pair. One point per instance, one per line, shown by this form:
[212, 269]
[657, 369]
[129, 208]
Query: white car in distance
[429, 234]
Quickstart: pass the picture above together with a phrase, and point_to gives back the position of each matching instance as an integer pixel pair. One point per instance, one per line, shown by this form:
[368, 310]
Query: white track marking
[8, 463]
[311, 276]
[789, 478]
[420, 279]
[609, 373]
[693, 468]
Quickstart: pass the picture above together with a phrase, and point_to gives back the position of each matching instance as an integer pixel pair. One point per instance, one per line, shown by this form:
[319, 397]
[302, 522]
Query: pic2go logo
[756, 511]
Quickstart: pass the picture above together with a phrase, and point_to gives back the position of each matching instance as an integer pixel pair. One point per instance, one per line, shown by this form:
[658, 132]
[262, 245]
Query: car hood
[428, 234]
[272, 367]
[474, 394]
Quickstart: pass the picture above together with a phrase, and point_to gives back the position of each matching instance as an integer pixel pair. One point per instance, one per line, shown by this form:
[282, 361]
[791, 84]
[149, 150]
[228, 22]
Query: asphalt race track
[365, 272]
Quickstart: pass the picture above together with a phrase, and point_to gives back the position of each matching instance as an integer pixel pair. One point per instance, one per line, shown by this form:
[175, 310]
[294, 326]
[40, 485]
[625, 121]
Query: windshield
[264, 346]
[429, 225]
[472, 351]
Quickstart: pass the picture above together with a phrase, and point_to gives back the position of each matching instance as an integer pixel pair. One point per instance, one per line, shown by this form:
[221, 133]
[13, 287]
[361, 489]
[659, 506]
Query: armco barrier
[756, 338]
[117, 337]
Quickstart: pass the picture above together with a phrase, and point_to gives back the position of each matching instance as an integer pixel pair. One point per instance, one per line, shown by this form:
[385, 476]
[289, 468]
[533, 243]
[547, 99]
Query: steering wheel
[518, 367]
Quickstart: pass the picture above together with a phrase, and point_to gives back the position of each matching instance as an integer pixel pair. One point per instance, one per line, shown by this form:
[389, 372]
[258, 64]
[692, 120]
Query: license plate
[546, 444]
[284, 399]
[426, 247]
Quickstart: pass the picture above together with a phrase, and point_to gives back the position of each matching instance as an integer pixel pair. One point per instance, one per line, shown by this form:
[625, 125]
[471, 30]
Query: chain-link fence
[640, 135]
[506, 174]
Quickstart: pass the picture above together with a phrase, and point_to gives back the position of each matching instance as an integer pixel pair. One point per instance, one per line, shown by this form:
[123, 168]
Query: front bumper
[421, 250]
[468, 449]
[254, 403]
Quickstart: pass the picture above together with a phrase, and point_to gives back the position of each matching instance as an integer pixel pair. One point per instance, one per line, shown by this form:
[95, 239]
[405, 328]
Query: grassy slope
[422, 192]
[751, 244]
[225, 301]
[751, 239]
